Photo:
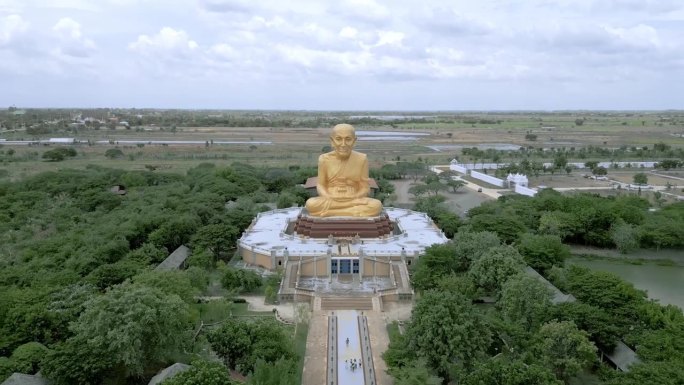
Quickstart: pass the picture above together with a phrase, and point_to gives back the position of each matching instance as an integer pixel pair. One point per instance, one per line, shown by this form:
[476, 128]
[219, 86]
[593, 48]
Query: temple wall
[525, 191]
[381, 268]
[487, 178]
[320, 270]
[256, 258]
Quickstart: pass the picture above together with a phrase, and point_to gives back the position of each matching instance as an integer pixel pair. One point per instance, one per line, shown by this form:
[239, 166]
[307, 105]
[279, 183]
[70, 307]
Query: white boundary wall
[525, 191]
[487, 178]
[458, 168]
[608, 165]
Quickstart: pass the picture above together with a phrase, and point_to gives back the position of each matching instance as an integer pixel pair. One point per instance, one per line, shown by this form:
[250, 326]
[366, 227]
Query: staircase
[345, 303]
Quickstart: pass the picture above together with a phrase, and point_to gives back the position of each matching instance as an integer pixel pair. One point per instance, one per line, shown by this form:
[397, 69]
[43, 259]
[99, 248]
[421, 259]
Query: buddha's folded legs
[362, 207]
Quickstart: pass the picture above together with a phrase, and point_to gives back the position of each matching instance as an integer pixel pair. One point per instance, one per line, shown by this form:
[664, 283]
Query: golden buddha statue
[343, 180]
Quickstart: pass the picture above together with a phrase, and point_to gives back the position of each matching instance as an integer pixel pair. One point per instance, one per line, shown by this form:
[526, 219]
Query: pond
[664, 283]
[480, 146]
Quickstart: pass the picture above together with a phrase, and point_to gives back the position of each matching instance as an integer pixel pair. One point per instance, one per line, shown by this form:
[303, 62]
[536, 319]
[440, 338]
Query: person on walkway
[347, 341]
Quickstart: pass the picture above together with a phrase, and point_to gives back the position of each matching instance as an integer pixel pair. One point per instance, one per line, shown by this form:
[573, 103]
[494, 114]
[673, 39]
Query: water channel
[664, 283]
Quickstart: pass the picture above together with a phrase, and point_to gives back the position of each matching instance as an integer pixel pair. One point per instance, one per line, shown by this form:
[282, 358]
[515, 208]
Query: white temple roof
[267, 234]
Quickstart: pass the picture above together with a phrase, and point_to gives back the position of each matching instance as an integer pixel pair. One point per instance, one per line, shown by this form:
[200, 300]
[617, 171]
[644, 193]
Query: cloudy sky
[343, 54]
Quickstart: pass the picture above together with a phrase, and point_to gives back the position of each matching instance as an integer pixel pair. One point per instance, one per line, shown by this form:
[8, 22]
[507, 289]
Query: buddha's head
[342, 140]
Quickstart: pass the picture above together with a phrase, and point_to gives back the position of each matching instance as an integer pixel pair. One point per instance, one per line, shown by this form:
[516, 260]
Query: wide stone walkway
[348, 328]
[316, 361]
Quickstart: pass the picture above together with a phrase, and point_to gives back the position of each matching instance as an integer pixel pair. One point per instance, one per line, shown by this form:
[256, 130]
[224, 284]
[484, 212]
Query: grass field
[301, 146]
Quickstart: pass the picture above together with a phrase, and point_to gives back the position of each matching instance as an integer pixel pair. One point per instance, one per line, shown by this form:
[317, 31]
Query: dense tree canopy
[202, 373]
[447, 332]
[241, 344]
[75, 261]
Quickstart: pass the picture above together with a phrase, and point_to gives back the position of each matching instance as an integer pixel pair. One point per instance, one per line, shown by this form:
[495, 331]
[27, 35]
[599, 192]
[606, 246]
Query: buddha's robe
[343, 188]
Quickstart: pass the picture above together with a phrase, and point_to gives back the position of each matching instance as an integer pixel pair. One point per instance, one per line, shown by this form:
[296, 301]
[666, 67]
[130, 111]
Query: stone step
[345, 303]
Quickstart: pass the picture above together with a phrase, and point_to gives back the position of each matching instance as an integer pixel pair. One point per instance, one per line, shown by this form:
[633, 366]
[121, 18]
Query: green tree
[447, 332]
[126, 329]
[568, 169]
[438, 261]
[524, 301]
[557, 223]
[600, 171]
[169, 282]
[560, 161]
[506, 225]
[27, 357]
[661, 373]
[218, 238]
[607, 291]
[565, 349]
[501, 371]
[242, 344]
[112, 274]
[455, 184]
[202, 373]
[280, 372]
[175, 231]
[640, 178]
[53, 155]
[6, 368]
[495, 267]
[418, 190]
[286, 200]
[599, 325]
[75, 361]
[416, 373]
[114, 153]
[435, 187]
[448, 222]
[542, 251]
[470, 245]
[625, 236]
[241, 280]
[591, 164]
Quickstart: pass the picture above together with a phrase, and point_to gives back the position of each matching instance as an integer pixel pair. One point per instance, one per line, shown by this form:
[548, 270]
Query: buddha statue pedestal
[323, 227]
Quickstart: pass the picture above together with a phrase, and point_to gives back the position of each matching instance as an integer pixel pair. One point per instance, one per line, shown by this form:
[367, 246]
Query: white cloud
[639, 36]
[355, 47]
[72, 43]
[11, 27]
[167, 41]
[393, 38]
[348, 33]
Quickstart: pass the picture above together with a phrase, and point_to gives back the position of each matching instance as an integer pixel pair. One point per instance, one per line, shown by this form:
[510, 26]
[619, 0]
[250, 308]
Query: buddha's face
[342, 140]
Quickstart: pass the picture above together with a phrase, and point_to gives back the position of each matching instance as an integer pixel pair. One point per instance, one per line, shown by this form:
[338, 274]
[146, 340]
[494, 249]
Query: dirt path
[401, 188]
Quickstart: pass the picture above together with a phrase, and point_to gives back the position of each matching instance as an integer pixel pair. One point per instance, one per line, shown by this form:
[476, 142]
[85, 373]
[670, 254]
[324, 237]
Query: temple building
[364, 256]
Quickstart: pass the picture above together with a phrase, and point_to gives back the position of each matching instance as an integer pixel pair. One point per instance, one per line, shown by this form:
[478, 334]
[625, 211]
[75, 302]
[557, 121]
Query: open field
[279, 146]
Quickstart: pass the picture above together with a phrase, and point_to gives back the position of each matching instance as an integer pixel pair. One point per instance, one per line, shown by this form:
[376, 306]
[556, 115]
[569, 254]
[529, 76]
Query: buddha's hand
[344, 193]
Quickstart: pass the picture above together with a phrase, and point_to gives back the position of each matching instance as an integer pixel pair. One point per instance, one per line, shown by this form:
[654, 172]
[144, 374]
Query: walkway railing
[332, 351]
[366, 353]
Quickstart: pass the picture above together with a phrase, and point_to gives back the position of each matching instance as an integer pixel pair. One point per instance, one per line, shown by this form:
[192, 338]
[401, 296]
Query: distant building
[62, 140]
[25, 379]
[169, 372]
[517, 180]
[118, 189]
[175, 260]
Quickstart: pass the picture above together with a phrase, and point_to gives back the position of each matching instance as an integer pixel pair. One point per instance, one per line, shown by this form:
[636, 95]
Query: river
[664, 283]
